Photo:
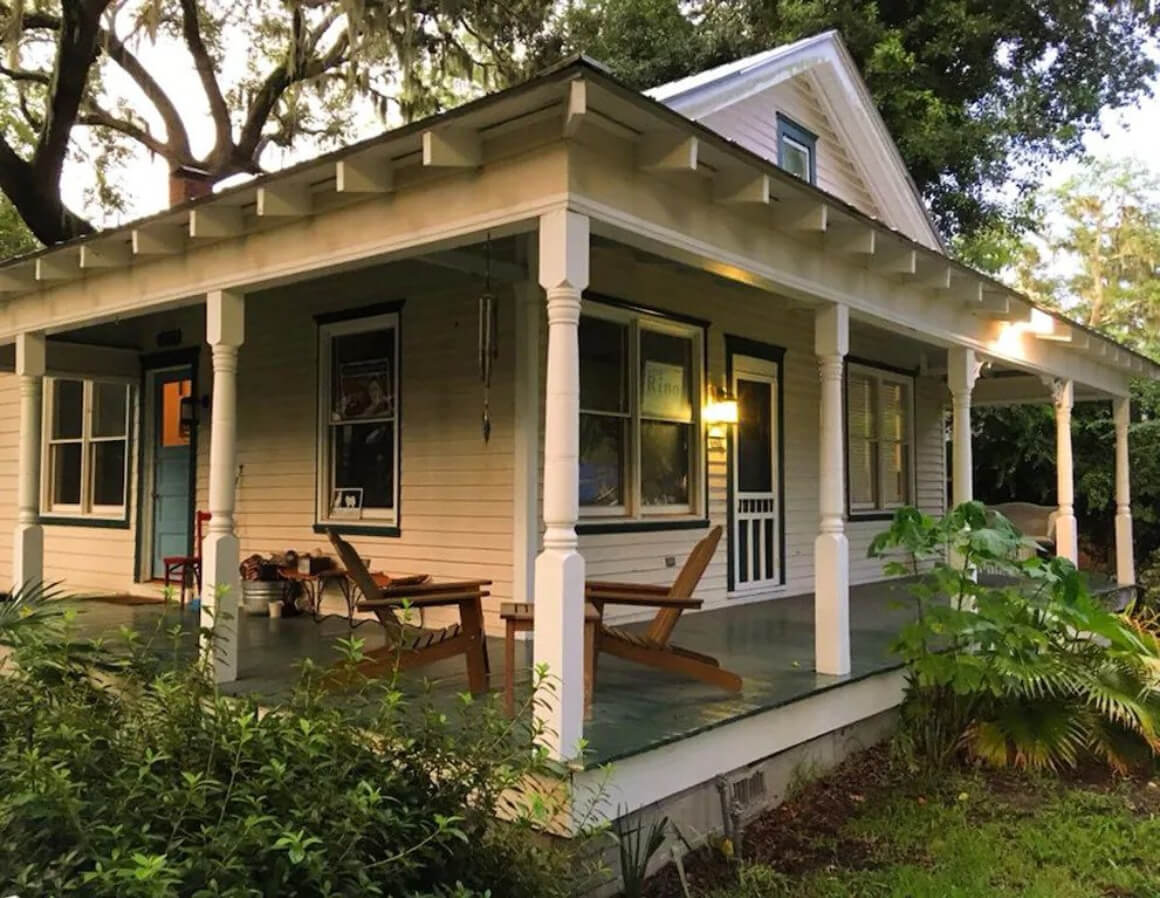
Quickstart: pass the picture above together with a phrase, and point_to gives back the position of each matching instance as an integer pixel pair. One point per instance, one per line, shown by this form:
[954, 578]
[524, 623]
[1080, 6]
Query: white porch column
[1066, 532]
[221, 581]
[831, 550]
[28, 550]
[559, 631]
[962, 371]
[1125, 553]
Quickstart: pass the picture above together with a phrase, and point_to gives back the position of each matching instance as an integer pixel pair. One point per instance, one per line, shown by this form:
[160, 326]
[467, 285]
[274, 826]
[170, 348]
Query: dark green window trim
[637, 526]
[387, 530]
[787, 127]
[98, 523]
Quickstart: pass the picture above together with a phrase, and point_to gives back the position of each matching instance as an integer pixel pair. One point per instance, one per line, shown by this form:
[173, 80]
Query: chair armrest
[414, 590]
[612, 586]
[644, 601]
[430, 601]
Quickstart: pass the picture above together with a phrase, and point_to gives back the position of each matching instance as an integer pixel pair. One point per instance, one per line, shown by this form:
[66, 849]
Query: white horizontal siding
[85, 560]
[456, 504]
[641, 557]
[752, 122]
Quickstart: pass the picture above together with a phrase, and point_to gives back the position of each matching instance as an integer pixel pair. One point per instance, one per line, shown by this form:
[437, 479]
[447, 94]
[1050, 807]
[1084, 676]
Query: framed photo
[365, 390]
[346, 503]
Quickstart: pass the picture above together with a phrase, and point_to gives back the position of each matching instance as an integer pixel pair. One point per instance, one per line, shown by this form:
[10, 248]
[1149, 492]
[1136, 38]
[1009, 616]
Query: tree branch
[275, 85]
[33, 121]
[33, 19]
[96, 117]
[76, 52]
[191, 29]
[37, 198]
[175, 132]
[27, 75]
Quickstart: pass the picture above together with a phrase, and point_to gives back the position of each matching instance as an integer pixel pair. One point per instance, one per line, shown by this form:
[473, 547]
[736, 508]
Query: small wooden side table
[519, 618]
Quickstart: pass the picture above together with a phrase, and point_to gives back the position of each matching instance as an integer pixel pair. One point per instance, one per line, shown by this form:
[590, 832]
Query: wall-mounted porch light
[720, 411]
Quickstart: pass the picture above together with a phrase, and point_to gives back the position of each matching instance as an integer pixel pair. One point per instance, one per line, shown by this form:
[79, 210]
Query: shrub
[1019, 665]
[124, 776]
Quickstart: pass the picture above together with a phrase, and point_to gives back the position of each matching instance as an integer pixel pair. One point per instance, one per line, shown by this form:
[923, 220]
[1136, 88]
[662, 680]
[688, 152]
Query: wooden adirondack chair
[653, 646]
[410, 646]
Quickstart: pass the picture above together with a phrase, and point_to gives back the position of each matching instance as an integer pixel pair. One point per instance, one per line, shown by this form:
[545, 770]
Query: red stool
[185, 565]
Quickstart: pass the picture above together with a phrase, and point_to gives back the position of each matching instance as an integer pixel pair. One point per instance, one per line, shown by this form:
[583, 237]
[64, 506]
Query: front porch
[635, 710]
[769, 644]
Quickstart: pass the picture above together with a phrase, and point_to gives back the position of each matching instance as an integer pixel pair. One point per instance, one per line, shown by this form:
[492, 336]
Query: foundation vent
[749, 792]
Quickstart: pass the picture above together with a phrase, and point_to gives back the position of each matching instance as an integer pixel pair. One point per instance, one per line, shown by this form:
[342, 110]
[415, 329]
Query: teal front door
[172, 512]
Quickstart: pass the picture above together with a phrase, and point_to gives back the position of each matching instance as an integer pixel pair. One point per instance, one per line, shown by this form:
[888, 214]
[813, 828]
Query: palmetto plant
[24, 612]
[1021, 665]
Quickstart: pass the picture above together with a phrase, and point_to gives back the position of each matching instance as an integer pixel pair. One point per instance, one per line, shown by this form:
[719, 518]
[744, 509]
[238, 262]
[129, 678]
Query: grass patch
[869, 831]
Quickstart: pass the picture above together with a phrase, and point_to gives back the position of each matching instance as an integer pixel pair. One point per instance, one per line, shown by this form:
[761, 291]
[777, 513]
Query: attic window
[796, 149]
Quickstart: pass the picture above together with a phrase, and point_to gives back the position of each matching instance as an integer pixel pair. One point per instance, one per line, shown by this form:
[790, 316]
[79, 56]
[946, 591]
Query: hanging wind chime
[488, 342]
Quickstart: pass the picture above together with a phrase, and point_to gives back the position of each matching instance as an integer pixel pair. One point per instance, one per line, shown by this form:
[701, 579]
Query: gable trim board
[826, 65]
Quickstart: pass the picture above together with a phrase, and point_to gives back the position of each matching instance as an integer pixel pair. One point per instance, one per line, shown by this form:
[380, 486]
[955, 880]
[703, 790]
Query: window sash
[328, 425]
[881, 442]
[794, 146]
[632, 468]
[86, 506]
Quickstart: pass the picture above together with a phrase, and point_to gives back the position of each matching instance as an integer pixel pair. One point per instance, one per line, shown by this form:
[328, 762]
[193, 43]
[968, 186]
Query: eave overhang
[577, 94]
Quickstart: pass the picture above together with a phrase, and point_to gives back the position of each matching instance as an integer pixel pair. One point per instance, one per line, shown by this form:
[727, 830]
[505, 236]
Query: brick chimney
[187, 183]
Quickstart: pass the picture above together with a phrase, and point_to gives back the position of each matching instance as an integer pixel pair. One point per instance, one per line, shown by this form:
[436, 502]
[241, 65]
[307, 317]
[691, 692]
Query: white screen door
[756, 478]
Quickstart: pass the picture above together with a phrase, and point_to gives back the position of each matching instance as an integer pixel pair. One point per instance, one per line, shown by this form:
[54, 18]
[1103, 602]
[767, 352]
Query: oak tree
[306, 62]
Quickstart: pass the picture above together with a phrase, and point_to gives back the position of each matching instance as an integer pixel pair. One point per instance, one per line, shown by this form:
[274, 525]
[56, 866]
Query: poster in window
[346, 504]
[663, 390]
[364, 390]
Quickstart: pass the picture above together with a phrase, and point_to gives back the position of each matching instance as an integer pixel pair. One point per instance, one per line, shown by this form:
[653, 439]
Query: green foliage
[976, 834]
[1019, 665]
[1105, 233]
[977, 96]
[141, 778]
[636, 845]
[79, 85]
[1102, 227]
[1014, 459]
[15, 238]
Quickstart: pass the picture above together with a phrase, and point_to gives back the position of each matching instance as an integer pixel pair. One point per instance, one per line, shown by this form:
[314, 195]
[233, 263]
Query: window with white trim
[85, 470]
[358, 428]
[641, 380]
[879, 428]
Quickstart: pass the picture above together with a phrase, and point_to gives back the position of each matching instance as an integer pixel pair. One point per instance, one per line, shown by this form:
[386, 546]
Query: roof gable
[813, 81]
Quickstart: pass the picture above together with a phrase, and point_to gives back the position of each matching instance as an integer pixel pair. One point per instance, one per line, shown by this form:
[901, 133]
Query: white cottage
[749, 233]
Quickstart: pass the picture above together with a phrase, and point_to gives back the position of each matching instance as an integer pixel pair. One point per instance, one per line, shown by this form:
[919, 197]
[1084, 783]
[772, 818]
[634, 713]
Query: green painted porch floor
[770, 644]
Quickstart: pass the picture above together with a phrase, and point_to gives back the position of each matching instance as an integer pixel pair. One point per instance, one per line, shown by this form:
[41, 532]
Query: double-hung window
[86, 463]
[879, 425]
[640, 388]
[797, 149]
[359, 418]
